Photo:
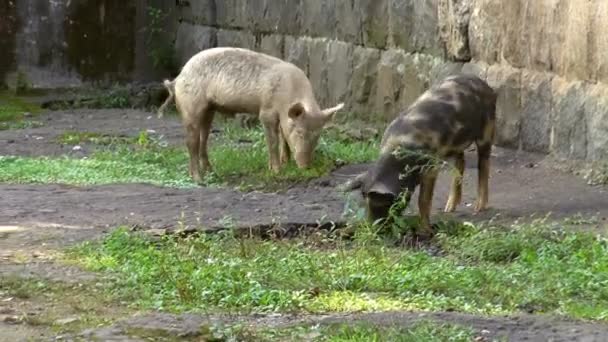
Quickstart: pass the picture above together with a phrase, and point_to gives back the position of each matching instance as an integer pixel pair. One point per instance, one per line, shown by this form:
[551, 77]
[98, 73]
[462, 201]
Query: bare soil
[517, 328]
[37, 219]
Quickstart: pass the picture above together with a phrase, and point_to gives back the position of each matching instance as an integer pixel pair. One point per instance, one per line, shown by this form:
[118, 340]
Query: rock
[270, 16]
[413, 26]
[11, 319]
[506, 81]
[67, 320]
[374, 18]
[243, 39]
[416, 78]
[202, 12]
[273, 45]
[479, 69]
[191, 39]
[232, 14]
[485, 30]
[568, 136]
[296, 52]
[156, 232]
[453, 17]
[348, 22]
[536, 101]
[319, 18]
[339, 72]
[596, 109]
[318, 71]
[391, 71]
[362, 83]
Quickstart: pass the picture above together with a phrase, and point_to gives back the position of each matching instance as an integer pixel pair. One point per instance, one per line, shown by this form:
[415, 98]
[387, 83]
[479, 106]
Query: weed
[239, 157]
[536, 269]
[22, 84]
[13, 110]
[21, 124]
[161, 52]
[422, 331]
[117, 97]
[75, 138]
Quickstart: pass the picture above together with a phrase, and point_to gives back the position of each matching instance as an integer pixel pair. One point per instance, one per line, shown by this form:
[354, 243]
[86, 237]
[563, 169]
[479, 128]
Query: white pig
[235, 80]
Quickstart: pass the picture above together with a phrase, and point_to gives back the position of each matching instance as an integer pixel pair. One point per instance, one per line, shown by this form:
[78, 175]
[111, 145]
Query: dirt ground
[35, 219]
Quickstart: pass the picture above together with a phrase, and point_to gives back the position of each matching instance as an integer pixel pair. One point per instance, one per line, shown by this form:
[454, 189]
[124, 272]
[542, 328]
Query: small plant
[15, 112]
[482, 269]
[116, 97]
[22, 85]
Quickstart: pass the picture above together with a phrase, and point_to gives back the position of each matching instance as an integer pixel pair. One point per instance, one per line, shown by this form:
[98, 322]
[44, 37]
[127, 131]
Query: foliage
[161, 52]
[239, 157]
[482, 269]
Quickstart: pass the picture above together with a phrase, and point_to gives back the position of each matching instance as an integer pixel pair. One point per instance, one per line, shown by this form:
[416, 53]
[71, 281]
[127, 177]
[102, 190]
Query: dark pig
[439, 125]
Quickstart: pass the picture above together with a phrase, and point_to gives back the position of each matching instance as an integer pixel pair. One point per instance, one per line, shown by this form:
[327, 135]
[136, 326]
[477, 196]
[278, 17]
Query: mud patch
[43, 141]
[518, 328]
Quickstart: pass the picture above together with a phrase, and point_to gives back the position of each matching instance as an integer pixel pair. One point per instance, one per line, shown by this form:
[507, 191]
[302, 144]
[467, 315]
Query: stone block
[506, 82]
[296, 52]
[339, 65]
[191, 39]
[363, 81]
[231, 38]
[272, 44]
[536, 99]
[453, 18]
[568, 119]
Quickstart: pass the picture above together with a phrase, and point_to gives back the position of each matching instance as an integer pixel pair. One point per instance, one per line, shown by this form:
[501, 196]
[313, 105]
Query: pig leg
[284, 149]
[456, 190]
[206, 120]
[483, 175]
[271, 130]
[193, 135]
[425, 201]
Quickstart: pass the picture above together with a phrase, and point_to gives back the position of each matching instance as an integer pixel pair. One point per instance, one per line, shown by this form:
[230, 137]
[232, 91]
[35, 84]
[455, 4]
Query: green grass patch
[239, 157]
[423, 331]
[13, 111]
[75, 138]
[483, 270]
[426, 331]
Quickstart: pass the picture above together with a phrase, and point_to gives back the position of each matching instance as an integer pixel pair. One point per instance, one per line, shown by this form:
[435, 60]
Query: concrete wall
[548, 59]
[65, 43]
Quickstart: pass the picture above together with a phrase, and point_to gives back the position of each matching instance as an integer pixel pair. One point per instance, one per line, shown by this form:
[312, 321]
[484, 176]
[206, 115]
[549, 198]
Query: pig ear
[383, 189]
[296, 111]
[329, 112]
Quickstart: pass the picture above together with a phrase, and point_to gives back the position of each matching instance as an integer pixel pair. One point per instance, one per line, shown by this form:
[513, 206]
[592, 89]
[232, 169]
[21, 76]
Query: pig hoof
[479, 207]
[274, 168]
[449, 207]
[424, 236]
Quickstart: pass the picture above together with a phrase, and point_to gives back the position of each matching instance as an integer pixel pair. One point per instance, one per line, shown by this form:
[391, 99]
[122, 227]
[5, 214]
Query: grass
[427, 331]
[239, 157]
[422, 331]
[483, 269]
[75, 138]
[13, 111]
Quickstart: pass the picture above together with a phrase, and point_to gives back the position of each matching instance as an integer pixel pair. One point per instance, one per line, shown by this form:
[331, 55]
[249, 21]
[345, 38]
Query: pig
[234, 80]
[439, 125]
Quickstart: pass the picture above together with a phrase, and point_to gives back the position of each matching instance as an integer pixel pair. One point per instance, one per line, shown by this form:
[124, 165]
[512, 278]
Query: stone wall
[548, 59]
[66, 43]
